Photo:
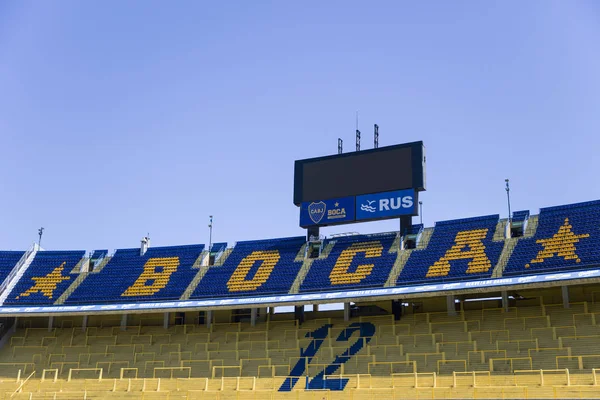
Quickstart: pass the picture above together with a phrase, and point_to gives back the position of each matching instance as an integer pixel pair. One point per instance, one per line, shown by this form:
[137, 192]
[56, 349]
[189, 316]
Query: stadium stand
[46, 279]
[161, 273]
[8, 260]
[458, 249]
[354, 261]
[567, 237]
[257, 266]
[531, 351]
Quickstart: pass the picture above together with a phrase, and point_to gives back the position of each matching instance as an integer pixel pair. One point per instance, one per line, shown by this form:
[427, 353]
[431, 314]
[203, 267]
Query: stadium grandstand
[481, 307]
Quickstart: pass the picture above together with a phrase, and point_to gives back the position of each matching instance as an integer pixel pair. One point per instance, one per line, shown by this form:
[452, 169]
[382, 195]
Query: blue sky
[123, 118]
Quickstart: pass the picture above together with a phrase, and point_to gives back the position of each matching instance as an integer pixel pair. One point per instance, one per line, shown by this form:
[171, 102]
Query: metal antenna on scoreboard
[340, 146]
[376, 137]
[357, 134]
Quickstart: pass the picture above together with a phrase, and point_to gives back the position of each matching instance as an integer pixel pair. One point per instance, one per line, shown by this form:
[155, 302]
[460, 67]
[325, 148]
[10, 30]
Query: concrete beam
[505, 300]
[565, 296]
[451, 305]
[346, 312]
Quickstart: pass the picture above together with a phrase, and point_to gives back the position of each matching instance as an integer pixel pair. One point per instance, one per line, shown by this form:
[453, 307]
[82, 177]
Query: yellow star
[562, 244]
[47, 284]
[337, 204]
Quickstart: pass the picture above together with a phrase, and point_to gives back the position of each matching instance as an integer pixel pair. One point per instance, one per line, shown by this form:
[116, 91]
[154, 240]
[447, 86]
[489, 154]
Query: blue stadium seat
[8, 260]
[567, 237]
[519, 216]
[217, 247]
[254, 267]
[354, 262]
[458, 250]
[163, 273]
[46, 279]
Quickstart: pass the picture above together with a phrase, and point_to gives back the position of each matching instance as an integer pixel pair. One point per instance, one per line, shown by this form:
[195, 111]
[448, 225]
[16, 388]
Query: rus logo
[316, 211]
[393, 203]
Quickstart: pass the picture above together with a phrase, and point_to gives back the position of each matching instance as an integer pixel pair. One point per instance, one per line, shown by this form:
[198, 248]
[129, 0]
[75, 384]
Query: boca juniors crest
[327, 212]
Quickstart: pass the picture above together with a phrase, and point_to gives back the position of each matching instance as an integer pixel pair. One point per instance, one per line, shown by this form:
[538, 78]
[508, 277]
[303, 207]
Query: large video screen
[352, 174]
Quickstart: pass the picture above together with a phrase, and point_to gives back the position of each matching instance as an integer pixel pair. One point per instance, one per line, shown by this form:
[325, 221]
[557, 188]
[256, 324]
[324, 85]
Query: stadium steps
[202, 269]
[105, 261]
[307, 264]
[532, 224]
[395, 244]
[63, 297]
[500, 232]
[301, 275]
[301, 253]
[510, 244]
[507, 250]
[223, 257]
[84, 264]
[399, 264]
[18, 272]
[80, 278]
[404, 255]
[425, 237]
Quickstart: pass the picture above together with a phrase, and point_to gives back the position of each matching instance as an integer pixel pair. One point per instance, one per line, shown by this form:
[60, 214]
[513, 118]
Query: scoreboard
[366, 185]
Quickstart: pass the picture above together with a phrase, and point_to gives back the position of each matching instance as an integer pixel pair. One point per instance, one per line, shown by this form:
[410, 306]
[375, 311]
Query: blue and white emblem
[316, 211]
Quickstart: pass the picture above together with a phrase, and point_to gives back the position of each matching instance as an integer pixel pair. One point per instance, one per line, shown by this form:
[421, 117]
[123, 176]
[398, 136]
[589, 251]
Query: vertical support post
[123, 322]
[450, 305]
[208, 319]
[50, 323]
[253, 314]
[84, 323]
[315, 308]
[166, 320]
[565, 296]
[14, 327]
[505, 300]
[346, 312]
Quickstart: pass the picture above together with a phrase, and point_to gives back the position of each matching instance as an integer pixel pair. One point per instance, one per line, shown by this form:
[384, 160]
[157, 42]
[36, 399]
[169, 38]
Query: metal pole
[40, 232]
[421, 211]
[210, 233]
[508, 199]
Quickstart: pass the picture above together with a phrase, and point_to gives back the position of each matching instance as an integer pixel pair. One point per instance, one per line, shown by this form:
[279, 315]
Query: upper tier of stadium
[557, 239]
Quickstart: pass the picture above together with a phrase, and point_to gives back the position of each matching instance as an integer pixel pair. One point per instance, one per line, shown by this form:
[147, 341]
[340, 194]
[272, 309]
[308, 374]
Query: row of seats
[8, 260]
[458, 250]
[161, 273]
[258, 266]
[364, 260]
[495, 341]
[566, 237]
[46, 279]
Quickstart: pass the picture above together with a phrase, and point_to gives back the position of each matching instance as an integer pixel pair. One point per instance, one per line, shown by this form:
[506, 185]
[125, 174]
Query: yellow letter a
[479, 260]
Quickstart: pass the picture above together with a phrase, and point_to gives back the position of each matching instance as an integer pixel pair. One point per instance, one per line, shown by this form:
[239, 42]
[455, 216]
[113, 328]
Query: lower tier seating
[534, 347]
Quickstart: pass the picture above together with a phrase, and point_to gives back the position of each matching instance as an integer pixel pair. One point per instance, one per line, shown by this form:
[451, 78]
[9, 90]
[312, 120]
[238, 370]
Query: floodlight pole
[40, 233]
[508, 199]
[210, 233]
[421, 211]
